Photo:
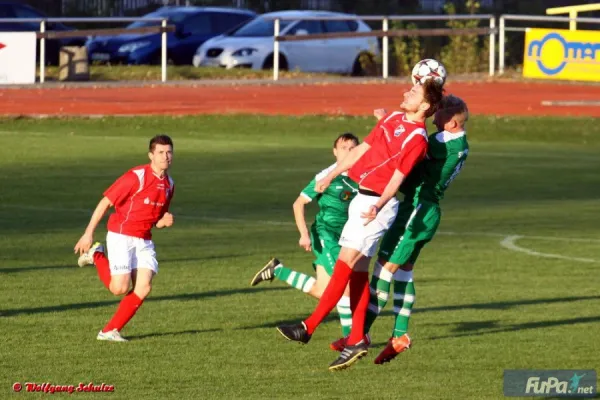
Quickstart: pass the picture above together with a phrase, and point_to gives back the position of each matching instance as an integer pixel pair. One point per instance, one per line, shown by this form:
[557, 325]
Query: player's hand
[305, 243]
[322, 184]
[84, 244]
[166, 221]
[379, 113]
[370, 215]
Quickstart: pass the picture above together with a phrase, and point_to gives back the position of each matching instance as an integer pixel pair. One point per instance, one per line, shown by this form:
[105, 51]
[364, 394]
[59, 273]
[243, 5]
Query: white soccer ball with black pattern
[428, 69]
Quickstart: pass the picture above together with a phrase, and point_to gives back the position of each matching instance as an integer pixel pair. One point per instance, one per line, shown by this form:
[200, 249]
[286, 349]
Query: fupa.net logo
[545, 383]
[553, 385]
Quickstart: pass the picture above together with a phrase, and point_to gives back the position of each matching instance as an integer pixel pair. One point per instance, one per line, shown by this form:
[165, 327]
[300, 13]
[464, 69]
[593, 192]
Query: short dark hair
[454, 107]
[433, 92]
[345, 137]
[159, 139]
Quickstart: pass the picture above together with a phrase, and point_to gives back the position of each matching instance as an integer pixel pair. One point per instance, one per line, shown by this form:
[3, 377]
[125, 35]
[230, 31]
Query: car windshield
[259, 27]
[173, 17]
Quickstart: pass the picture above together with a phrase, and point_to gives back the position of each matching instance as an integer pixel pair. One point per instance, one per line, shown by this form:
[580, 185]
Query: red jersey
[396, 144]
[140, 199]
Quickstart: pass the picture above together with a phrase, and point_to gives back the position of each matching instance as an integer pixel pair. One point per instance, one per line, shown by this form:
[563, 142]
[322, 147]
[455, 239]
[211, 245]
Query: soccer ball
[428, 69]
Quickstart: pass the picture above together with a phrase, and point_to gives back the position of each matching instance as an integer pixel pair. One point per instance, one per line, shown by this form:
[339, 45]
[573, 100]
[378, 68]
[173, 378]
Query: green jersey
[334, 201]
[446, 155]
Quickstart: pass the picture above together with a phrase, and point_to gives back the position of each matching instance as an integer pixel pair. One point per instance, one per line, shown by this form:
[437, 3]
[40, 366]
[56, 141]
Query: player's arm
[353, 156]
[415, 152]
[167, 219]
[85, 242]
[300, 219]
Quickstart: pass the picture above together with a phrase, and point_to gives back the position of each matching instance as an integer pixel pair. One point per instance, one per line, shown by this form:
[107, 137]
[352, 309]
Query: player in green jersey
[324, 233]
[416, 223]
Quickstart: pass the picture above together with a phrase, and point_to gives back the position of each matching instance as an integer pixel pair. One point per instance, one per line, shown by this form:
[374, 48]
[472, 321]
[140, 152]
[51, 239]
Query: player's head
[343, 144]
[160, 152]
[423, 99]
[452, 114]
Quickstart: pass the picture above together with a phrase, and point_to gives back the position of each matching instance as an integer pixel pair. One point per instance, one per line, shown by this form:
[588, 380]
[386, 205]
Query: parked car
[13, 9]
[251, 45]
[193, 26]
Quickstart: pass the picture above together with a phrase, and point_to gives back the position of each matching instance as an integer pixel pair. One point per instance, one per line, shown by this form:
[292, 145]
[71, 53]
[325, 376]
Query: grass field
[204, 333]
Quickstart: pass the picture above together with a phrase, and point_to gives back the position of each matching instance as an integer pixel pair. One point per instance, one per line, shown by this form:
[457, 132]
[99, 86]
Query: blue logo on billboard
[571, 52]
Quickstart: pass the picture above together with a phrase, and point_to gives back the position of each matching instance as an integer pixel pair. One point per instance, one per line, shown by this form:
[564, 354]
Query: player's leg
[381, 279]
[358, 243]
[120, 255]
[274, 269]
[343, 306]
[357, 345]
[329, 250]
[418, 233]
[144, 267]
[121, 259]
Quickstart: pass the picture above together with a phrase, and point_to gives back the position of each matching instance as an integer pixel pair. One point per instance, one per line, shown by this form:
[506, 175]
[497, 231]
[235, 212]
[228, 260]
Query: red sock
[102, 267]
[332, 294]
[127, 309]
[359, 302]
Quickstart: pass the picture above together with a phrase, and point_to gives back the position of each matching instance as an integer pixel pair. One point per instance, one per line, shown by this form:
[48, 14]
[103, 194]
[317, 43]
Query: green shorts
[325, 247]
[414, 226]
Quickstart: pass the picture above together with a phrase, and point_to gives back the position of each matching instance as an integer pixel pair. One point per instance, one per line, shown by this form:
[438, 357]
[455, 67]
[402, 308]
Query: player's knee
[119, 289]
[142, 290]
[407, 267]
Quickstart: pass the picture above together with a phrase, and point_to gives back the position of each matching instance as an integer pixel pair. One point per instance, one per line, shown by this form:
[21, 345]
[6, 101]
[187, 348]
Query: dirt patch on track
[491, 98]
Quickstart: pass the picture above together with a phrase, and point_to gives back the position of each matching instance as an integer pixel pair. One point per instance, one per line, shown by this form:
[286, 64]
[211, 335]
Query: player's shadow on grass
[206, 258]
[12, 270]
[98, 304]
[505, 305]
[467, 326]
[521, 327]
[159, 334]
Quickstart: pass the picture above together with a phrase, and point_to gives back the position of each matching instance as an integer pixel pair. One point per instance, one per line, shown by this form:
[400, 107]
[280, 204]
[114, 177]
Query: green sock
[345, 313]
[404, 300]
[295, 279]
[380, 291]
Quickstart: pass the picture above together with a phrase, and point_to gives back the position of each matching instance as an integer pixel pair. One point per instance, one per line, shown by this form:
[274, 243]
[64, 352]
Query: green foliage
[463, 53]
[406, 50]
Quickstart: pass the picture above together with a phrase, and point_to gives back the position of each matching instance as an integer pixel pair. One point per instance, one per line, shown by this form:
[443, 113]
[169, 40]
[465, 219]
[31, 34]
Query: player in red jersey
[141, 198]
[379, 165]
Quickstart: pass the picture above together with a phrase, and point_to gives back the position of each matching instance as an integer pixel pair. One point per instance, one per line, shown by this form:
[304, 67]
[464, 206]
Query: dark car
[12, 9]
[193, 26]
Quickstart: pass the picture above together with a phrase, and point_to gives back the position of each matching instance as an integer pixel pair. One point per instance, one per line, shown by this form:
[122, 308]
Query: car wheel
[364, 65]
[268, 64]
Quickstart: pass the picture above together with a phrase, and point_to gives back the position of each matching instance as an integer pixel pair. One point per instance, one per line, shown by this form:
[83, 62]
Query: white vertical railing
[385, 49]
[501, 48]
[163, 58]
[42, 53]
[492, 46]
[276, 51]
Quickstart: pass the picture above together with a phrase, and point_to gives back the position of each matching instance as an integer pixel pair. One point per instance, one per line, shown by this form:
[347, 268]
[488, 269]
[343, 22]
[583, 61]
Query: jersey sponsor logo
[346, 195]
[399, 131]
[147, 201]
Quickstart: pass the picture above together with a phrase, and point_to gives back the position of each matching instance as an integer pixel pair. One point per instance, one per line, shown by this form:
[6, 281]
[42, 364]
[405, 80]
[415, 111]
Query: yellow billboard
[562, 54]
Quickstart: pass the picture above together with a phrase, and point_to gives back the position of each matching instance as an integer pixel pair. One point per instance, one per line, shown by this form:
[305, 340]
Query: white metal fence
[43, 33]
[384, 33]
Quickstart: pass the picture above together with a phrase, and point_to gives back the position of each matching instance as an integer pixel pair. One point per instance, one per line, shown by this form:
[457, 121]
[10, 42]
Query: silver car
[251, 44]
